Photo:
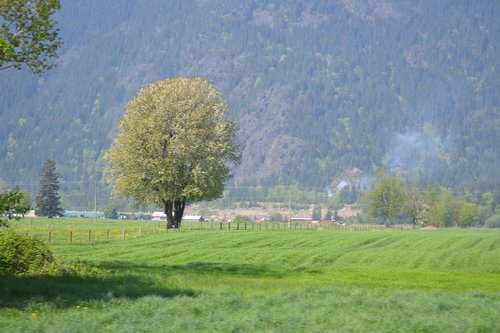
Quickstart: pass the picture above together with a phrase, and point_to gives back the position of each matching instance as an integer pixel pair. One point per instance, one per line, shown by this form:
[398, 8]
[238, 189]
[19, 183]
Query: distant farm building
[301, 219]
[86, 214]
[159, 216]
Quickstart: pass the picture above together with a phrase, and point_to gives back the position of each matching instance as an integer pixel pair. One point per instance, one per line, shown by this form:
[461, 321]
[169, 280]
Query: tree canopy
[28, 35]
[386, 198]
[174, 145]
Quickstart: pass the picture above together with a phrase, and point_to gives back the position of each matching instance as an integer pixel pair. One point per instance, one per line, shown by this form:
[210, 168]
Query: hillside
[318, 87]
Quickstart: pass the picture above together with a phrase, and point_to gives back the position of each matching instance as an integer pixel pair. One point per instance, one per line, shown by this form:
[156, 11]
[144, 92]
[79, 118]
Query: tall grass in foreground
[408, 281]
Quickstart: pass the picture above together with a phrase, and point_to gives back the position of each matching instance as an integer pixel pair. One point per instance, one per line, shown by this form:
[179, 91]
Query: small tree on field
[48, 201]
[444, 209]
[12, 204]
[174, 146]
[415, 205]
[386, 198]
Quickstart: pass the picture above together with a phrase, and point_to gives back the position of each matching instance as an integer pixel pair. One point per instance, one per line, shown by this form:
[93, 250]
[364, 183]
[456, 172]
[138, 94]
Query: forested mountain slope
[318, 87]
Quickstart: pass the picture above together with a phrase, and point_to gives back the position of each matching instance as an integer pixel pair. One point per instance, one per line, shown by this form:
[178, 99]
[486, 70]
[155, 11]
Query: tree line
[392, 200]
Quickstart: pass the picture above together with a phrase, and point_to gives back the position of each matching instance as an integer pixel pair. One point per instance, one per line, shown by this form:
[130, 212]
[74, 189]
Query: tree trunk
[174, 211]
[169, 213]
[179, 206]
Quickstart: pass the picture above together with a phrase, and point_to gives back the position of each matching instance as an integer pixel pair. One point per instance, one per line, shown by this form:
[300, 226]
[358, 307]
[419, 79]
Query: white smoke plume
[417, 157]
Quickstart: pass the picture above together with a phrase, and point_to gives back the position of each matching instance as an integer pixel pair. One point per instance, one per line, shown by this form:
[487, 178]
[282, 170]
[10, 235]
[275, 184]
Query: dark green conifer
[48, 201]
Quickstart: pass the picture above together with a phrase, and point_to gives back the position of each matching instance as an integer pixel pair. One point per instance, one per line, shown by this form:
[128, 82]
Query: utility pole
[289, 206]
[95, 200]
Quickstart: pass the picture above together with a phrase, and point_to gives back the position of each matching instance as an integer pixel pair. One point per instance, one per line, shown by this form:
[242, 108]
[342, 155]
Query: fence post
[123, 233]
[237, 225]
[71, 236]
[89, 235]
[50, 236]
[220, 225]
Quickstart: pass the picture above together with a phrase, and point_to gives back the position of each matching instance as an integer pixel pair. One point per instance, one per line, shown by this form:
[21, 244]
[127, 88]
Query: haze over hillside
[318, 87]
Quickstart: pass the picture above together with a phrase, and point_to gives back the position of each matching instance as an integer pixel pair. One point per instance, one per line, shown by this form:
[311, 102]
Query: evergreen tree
[328, 215]
[316, 213]
[48, 200]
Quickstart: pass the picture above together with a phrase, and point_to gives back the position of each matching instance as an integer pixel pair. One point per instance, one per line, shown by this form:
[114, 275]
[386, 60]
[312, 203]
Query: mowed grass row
[377, 281]
[449, 259]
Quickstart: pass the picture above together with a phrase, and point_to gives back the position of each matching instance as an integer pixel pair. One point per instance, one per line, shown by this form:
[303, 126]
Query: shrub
[276, 217]
[241, 219]
[22, 254]
[493, 221]
[111, 213]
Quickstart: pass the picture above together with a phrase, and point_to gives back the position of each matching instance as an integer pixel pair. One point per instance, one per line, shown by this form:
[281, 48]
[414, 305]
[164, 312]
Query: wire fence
[98, 232]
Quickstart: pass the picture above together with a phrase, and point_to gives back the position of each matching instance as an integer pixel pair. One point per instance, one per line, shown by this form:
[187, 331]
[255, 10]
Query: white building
[160, 216]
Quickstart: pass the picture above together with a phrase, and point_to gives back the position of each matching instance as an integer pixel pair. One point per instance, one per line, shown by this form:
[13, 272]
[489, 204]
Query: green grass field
[267, 281]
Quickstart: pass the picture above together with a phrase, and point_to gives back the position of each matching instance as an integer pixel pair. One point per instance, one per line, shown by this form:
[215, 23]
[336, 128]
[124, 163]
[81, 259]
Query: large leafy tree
[28, 35]
[386, 199]
[48, 201]
[174, 146]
